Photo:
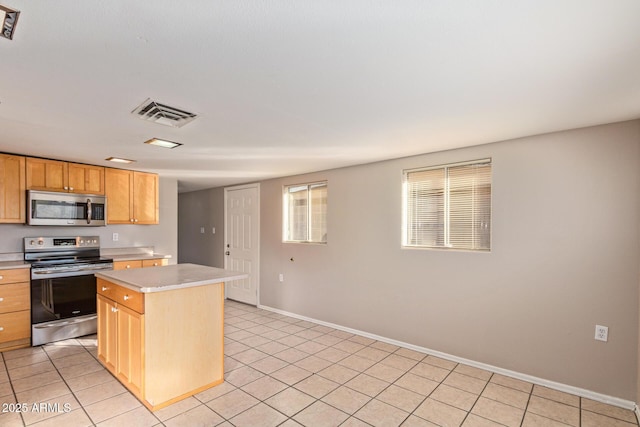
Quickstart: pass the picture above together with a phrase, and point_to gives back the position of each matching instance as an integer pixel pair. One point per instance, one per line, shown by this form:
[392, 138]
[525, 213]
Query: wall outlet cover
[602, 333]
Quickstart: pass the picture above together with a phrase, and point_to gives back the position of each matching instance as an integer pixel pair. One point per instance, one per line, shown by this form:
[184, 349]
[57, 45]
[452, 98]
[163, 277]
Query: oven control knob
[33, 242]
[41, 242]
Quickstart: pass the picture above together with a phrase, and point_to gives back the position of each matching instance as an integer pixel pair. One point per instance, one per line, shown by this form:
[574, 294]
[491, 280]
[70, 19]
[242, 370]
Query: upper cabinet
[54, 175]
[86, 179]
[132, 197]
[12, 189]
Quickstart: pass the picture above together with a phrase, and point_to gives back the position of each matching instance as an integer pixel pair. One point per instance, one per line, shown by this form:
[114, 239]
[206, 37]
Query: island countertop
[170, 277]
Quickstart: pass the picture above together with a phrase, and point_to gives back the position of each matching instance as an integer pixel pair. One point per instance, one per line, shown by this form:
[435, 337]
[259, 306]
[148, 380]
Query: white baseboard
[638, 413]
[615, 401]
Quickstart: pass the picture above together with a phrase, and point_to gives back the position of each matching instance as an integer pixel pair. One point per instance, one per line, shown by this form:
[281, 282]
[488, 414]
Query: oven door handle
[88, 211]
[75, 270]
[69, 322]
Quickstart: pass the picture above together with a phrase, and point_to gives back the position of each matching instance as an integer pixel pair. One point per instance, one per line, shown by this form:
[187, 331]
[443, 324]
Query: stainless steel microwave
[50, 208]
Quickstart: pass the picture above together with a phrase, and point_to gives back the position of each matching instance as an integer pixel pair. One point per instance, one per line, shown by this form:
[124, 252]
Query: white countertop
[170, 277]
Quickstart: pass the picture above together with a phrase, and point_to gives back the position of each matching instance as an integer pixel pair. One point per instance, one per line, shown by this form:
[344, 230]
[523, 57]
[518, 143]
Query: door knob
[227, 253]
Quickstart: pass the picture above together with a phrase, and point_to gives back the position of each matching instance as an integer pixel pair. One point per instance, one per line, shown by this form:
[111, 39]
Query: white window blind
[305, 213]
[449, 206]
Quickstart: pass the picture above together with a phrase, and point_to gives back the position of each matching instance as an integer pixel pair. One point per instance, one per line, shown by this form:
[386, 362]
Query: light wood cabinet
[156, 262]
[107, 338]
[139, 263]
[132, 197]
[54, 175]
[15, 309]
[126, 265]
[120, 335]
[130, 344]
[85, 179]
[12, 189]
[163, 346]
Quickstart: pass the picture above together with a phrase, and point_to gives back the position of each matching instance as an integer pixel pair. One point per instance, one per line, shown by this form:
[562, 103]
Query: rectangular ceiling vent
[163, 114]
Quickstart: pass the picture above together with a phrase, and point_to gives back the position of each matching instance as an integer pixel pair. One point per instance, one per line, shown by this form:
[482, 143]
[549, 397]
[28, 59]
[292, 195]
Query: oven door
[62, 307]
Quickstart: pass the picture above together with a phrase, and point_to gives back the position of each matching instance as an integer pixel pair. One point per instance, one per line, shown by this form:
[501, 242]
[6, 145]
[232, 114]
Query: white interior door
[242, 241]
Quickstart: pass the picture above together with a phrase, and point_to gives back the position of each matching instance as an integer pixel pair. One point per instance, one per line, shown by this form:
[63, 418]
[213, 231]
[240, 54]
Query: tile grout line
[67, 384]
[13, 390]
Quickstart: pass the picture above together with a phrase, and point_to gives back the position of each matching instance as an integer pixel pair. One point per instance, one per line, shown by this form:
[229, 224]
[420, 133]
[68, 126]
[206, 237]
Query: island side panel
[184, 341]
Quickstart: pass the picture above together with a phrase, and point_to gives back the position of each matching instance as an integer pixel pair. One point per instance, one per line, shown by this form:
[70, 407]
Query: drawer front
[14, 297]
[106, 288]
[131, 299]
[125, 265]
[14, 276]
[154, 262]
[15, 326]
[124, 296]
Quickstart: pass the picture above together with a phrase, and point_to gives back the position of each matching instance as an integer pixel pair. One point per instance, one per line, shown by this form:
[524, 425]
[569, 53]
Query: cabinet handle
[1, 329]
[1, 277]
[70, 188]
[1, 299]
[135, 220]
[128, 266]
[113, 309]
[104, 288]
[126, 297]
[66, 188]
[131, 220]
[155, 264]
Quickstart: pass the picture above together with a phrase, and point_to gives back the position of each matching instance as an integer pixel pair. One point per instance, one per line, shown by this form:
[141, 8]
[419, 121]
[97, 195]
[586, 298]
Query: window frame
[446, 220]
[285, 213]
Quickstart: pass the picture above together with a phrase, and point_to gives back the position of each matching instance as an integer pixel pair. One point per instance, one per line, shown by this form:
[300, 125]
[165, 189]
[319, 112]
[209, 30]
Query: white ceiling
[290, 86]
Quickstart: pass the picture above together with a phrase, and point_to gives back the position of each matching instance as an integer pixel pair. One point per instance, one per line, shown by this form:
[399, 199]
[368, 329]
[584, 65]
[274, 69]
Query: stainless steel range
[63, 286]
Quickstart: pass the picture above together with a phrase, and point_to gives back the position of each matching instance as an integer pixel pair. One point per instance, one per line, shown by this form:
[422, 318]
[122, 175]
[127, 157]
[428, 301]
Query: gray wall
[565, 251]
[198, 209]
[164, 236]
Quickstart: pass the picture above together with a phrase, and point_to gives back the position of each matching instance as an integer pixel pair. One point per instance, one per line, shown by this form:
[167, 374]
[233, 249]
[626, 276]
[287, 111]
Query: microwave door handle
[88, 211]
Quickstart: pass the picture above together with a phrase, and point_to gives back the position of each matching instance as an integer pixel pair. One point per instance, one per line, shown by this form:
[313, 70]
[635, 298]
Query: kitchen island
[160, 329]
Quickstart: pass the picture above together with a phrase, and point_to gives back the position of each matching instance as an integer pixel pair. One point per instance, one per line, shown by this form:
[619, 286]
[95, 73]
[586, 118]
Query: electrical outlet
[201, 230]
[602, 333]
[213, 230]
[115, 237]
[281, 277]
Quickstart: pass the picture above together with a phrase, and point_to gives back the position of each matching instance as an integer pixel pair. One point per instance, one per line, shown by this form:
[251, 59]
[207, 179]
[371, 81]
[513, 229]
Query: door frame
[255, 230]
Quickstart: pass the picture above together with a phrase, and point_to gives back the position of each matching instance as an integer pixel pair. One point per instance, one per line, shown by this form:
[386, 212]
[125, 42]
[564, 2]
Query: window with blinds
[305, 213]
[448, 206]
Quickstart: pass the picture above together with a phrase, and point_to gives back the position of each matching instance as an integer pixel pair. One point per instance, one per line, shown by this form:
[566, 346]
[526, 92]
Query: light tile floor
[281, 371]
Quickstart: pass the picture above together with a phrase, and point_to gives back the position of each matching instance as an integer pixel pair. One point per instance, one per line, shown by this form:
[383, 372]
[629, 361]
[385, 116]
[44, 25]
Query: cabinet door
[107, 332]
[15, 326]
[86, 179]
[12, 189]
[47, 175]
[145, 198]
[130, 344]
[118, 189]
[15, 297]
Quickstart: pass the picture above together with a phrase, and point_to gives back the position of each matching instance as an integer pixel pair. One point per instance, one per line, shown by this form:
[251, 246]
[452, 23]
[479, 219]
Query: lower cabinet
[130, 343]
[163, 346]
[15, 309]
[139, 263]
[120, 342]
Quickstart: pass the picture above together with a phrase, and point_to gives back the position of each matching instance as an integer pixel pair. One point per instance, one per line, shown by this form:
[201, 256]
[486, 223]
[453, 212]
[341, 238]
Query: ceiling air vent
[156, 112]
